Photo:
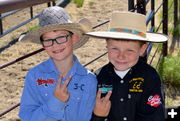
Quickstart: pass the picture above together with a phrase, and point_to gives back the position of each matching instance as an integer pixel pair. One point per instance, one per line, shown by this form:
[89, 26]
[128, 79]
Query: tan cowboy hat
[56, 18]
[128, 26]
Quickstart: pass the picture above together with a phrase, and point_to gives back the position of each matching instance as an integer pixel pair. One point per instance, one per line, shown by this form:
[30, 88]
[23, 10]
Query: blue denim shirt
[39, 104]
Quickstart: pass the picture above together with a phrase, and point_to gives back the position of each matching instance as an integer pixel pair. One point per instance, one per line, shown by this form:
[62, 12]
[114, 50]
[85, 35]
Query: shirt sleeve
[151, 106]
[97, 118]
[31, 108]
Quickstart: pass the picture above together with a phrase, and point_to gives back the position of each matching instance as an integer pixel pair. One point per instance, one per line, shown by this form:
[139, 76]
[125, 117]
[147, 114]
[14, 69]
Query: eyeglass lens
[59, 40]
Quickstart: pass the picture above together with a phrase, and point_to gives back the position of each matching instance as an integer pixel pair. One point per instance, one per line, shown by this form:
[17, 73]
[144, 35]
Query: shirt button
[121, 99]
[129, 96]
[122, 81]
[78, 98]
[46, 94]
[125, 118]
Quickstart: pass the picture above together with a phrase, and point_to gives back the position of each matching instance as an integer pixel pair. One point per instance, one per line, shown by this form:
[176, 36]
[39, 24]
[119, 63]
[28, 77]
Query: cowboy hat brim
[81, 27]
[150, 37]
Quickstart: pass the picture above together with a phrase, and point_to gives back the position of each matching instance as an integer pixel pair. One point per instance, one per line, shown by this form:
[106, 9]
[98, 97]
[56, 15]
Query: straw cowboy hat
[56, 18]
[128, 26]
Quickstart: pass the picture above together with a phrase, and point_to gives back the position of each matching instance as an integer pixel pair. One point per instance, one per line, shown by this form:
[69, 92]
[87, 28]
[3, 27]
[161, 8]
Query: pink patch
[154, 101]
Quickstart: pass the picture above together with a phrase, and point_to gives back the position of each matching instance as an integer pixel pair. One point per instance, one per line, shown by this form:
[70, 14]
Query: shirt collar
[121, 73]
[77, 68]
[134, 68]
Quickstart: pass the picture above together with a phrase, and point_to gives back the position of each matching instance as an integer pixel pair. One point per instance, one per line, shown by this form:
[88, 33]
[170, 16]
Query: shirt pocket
[46, 92]
[134, 97]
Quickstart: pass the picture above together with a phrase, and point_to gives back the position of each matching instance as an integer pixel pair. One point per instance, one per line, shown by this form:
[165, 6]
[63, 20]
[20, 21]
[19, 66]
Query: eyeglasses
[59, 40]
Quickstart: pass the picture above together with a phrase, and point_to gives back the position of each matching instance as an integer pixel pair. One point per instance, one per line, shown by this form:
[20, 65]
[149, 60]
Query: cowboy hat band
[128, 31]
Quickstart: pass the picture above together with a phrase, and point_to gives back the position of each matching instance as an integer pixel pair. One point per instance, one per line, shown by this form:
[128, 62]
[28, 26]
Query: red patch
[48, 81]
[154, 101]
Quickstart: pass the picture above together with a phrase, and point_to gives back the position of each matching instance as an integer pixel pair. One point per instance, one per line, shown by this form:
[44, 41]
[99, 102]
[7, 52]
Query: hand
[61, 91]
[103, 105]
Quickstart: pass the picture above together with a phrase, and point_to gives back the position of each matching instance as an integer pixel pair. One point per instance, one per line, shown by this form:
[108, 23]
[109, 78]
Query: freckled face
[124, 54]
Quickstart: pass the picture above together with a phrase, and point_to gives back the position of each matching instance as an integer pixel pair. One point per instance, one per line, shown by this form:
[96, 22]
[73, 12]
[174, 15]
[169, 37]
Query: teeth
[57, 51]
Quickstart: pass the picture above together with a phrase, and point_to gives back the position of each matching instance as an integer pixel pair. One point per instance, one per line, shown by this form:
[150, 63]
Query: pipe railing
[61, 3]
[18, 26]
[9, 5]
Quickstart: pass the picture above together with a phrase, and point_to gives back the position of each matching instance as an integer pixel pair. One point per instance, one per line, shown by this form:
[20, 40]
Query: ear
[75, 38]
[143, 49]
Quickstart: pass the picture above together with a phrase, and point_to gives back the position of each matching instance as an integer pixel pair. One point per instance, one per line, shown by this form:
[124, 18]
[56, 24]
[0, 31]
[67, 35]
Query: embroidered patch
[154, 101]
[135, 84]
[45, 82]
[79, 86]
[105, 88]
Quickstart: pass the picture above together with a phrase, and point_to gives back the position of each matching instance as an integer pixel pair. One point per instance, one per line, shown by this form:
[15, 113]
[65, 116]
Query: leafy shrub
[169, 70]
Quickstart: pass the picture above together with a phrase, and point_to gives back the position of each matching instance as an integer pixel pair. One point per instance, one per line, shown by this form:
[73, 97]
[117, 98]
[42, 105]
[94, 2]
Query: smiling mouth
[59, 51]
[120, 62]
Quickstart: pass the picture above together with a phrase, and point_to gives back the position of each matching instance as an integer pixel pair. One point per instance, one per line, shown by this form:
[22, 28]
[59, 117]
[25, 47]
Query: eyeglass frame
[55, 39]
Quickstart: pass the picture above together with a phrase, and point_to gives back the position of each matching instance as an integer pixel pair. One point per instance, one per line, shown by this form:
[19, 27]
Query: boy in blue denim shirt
[60, 88]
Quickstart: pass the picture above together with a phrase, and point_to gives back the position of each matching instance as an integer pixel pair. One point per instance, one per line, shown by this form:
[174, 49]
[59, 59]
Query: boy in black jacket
[129, 88]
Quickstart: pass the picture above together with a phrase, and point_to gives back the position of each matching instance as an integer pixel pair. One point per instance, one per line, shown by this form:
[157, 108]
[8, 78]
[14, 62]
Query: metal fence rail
[61, 3]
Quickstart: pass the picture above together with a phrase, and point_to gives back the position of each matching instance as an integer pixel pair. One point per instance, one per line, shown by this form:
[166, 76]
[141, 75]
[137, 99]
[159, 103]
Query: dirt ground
[12, 77]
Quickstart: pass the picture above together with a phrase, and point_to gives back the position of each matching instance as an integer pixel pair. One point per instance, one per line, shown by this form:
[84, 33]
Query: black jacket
[136, 97]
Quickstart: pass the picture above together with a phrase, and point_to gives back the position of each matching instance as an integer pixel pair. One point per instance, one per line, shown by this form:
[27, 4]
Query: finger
[66, 82]
[98, 94]
[65, 90]
[108, 95]
[68, 94]
[59, 81]
[108, 104]
[102, 99]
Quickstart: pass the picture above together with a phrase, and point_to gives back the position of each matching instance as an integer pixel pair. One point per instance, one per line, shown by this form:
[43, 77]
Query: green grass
[33, 28]
[79, 3]
[91, 4]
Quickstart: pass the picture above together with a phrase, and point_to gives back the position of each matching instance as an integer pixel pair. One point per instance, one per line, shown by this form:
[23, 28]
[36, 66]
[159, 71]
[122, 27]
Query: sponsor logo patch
[154, 101]
[44, 82]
